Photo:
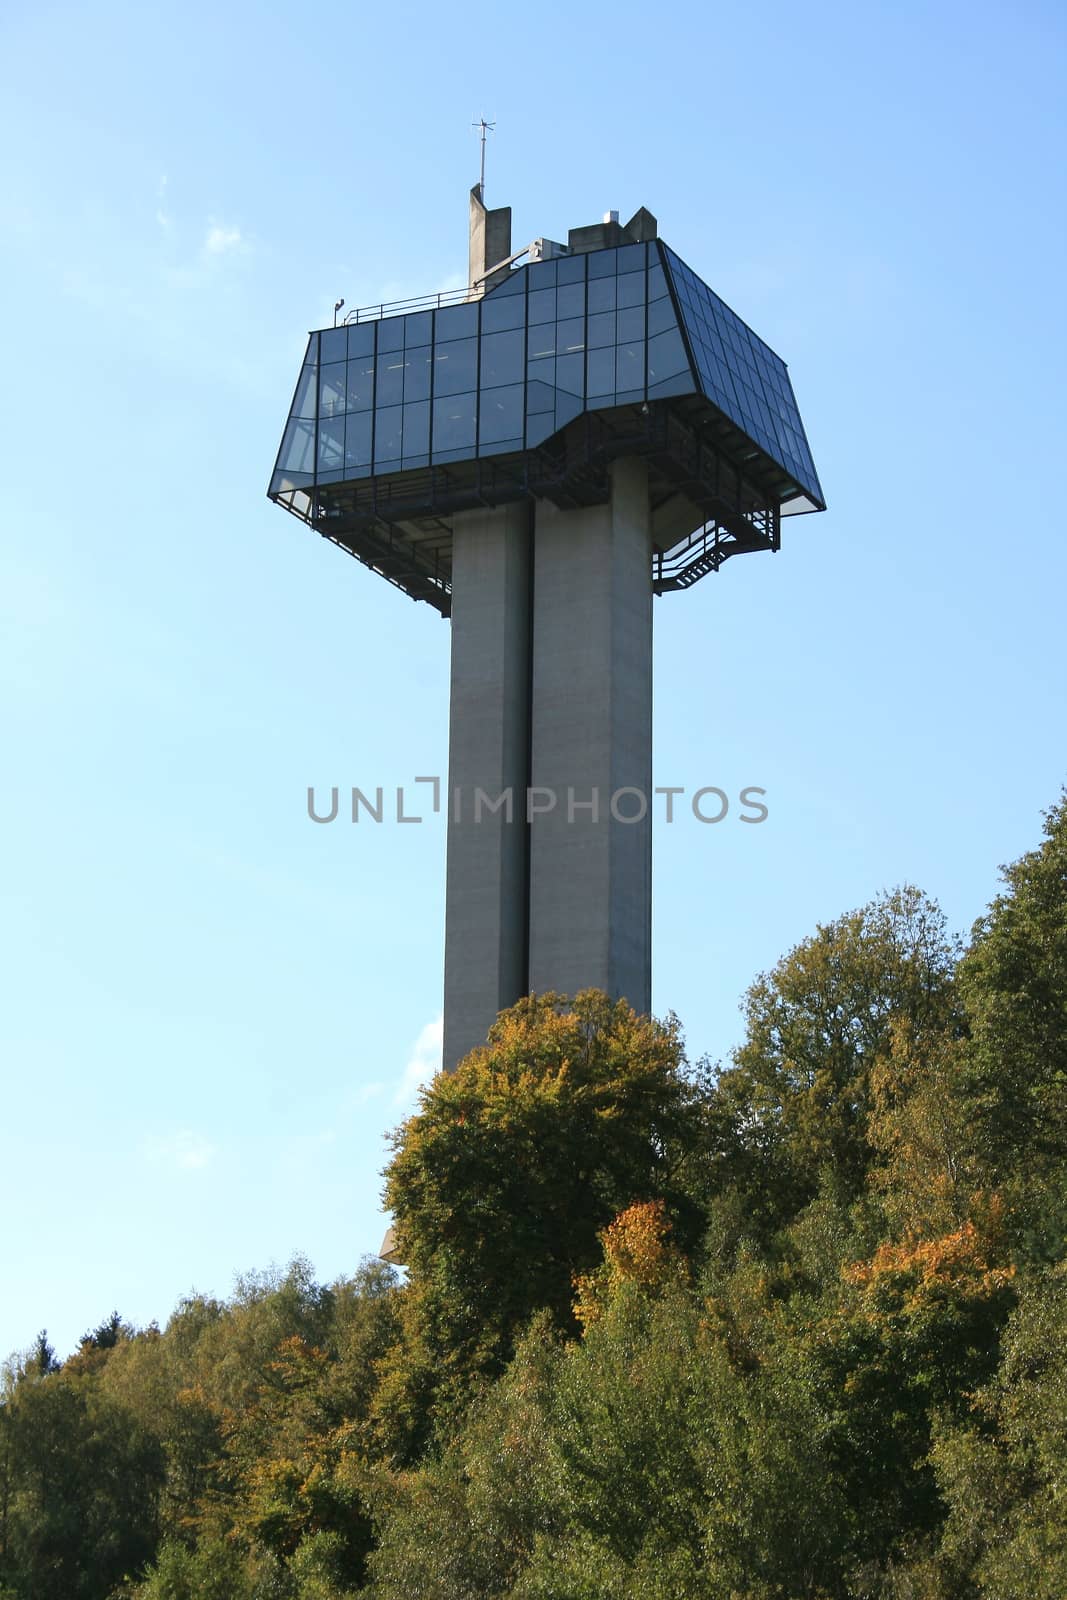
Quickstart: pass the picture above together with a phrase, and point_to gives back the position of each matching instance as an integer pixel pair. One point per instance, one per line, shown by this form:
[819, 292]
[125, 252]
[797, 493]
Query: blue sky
[214, 1010]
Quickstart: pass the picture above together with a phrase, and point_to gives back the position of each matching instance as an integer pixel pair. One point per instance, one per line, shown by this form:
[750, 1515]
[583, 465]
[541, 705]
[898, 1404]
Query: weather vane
[486, 127]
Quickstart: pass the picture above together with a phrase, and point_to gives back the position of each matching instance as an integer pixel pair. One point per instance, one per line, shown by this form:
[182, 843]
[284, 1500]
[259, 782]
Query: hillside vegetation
[787, 1328]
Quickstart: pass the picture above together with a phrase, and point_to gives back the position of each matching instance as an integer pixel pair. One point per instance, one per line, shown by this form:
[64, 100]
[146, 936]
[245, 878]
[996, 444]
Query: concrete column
[488, 751]
[490, 242]
[591, 734]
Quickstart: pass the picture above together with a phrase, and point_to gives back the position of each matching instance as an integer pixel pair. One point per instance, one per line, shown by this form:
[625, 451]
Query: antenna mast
[486, 127]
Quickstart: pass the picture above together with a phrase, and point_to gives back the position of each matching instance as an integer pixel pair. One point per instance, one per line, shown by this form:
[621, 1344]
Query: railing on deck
[397, 308]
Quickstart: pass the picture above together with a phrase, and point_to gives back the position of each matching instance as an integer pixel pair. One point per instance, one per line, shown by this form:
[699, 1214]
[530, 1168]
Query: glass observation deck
[400, 420]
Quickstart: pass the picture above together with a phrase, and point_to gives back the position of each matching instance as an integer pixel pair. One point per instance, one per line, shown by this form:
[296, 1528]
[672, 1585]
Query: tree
[1014, 982]
[637, 1249]
[501, 1182]
[84, 1482]
[796, 1101]
[106, 1335]
[676, 1470]
[927, 1176]
[42, 1357]
[1002, 1470]
[465, 1524]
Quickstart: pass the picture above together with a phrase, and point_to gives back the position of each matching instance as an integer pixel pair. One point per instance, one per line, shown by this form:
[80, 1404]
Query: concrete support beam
[591, 733]
[488, 751]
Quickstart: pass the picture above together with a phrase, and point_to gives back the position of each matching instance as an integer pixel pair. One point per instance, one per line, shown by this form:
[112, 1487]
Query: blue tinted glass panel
[570, 269]
[361, 383]
[388, 433]
[391, 334]
[602, 263]
[601, 329]
[570, 374]
[540, 397]
[541, 373]
[603, 293]
[661, 316]
[502, 358]
[541, 341]
[666, 357]
[332, 389]
[334, 344]
[418, 329]
[630, 369]
[632, 290]
[570, 335]
[541, 306]
[390, 389]
[297, 453]
[631, 258]
[455, 367]
[600, 380]
[416, 429]
[417, 374]
[498, 314]
[542, 275]
[357, 442]
[331, 444]
[514, 283]
[630, 323]
[456, 322]
[360, 339]
[501, 415]
[453, 423]
[570, 300]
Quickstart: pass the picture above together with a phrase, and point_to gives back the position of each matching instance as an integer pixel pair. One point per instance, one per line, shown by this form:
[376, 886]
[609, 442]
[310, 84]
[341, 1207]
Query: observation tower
[585, 427]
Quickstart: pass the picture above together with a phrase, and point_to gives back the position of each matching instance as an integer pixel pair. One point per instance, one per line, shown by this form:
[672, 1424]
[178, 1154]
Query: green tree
[465, 1524]
[679, 1459]
[1014, 983]
[41, 1360]
[83, 1482]
[502, 1181]
[796, 1101]
[1003, 1469]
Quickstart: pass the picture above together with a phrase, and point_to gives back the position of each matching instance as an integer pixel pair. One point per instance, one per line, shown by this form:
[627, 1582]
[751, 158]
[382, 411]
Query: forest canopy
[787, 1327]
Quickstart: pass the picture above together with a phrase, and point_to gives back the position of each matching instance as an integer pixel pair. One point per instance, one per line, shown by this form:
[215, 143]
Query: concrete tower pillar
[488, 758]
[591, 737]
[549, 877]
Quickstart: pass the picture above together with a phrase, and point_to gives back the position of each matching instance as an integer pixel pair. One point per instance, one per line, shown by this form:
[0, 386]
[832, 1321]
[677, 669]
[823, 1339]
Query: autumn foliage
[788, 1327]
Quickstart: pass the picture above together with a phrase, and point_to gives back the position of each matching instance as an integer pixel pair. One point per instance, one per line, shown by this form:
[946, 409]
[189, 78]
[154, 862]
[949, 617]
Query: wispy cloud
[219, 239]
[182, 1151]
[423, 1063]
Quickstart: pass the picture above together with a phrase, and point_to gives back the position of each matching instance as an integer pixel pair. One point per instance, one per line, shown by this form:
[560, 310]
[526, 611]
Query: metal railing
[422, 302]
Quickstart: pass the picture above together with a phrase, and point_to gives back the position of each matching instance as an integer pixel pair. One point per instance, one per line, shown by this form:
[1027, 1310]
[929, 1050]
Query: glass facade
[504, 373]
[742, 376]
